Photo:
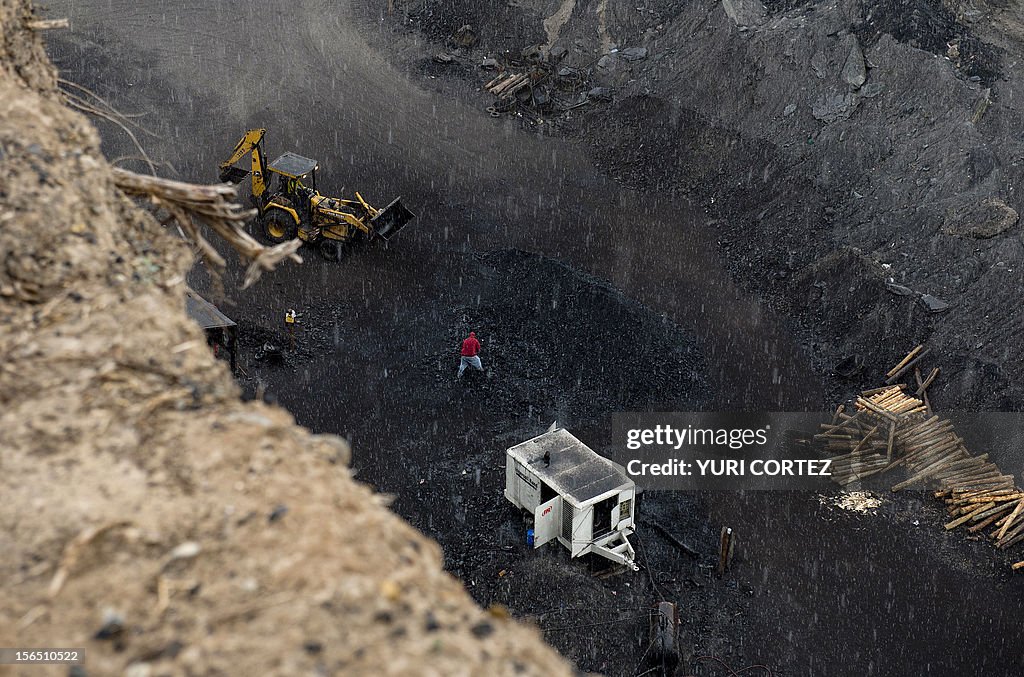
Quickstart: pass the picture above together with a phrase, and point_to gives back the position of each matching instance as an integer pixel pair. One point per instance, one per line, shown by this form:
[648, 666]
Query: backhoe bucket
[391, 219]
[233, 175]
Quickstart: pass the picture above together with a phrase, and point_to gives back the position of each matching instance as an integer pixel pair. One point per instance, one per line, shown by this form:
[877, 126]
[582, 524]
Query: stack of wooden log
[998, 510]
[531, 93]
[890, 428]
[864, 443]
[507, 84]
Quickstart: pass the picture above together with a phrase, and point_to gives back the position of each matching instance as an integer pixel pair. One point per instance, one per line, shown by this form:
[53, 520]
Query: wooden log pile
[893, 427]
[532, 92]
[507, 84]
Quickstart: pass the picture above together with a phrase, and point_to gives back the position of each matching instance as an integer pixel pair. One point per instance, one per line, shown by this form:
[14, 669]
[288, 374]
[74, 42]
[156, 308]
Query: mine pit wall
[148, 515]
[814, 138]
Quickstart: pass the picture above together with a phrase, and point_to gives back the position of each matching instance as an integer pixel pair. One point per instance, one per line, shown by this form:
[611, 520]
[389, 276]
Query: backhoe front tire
[332, 250]
[279, 226]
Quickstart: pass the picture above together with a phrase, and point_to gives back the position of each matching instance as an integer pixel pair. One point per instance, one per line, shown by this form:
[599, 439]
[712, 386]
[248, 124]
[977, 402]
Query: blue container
[529, 538]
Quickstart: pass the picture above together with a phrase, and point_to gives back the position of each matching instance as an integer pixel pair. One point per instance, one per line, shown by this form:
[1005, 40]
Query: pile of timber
[892, 427]
[998, 511]
[530, 93]
[868, 441]
[507, 84]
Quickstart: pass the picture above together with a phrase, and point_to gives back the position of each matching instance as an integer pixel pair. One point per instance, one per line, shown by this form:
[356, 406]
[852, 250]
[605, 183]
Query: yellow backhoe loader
[289, 204]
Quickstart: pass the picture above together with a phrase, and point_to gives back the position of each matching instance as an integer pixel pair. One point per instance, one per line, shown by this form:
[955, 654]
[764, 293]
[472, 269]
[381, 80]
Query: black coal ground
[784, 606]
[554, 349]
[380, 370]
[653, 139]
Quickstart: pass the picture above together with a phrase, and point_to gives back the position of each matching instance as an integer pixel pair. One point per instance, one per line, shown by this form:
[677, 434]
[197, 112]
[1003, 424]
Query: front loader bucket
[391, 219]
[233, 175]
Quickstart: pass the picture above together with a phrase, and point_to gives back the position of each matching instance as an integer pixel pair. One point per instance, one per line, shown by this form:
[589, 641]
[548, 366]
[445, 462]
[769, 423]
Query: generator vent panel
[567, 514]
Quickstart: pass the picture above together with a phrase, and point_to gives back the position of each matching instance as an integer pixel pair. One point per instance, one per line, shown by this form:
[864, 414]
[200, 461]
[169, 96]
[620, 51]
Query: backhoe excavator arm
[251, 142]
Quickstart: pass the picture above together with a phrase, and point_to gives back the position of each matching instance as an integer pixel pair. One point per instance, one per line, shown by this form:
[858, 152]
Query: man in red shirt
[470, 348]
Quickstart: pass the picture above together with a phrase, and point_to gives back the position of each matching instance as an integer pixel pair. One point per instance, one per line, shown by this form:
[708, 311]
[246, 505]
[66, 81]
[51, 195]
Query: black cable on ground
[640, 663]
[647, 566]
[591, 625]
[732, 672]
[583, 608]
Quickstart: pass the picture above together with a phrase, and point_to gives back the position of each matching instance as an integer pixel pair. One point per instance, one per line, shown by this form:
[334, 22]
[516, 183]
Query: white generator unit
[575, 495]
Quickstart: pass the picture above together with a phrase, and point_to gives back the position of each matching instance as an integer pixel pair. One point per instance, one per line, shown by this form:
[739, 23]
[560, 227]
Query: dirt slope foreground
[148, 515]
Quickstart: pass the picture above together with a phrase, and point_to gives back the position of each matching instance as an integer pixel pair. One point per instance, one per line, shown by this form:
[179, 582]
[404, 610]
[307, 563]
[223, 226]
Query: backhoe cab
[289, 204]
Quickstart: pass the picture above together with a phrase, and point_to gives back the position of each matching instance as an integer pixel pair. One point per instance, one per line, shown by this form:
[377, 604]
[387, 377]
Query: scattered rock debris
[854, 501]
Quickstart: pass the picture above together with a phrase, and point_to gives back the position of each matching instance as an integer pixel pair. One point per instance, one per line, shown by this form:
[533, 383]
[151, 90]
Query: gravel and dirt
[721, 233]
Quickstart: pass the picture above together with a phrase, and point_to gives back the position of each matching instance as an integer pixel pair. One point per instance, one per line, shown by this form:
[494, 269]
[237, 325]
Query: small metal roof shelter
[576, 472]
[293, 165]
[221, 331]
[204, 312]
[577, 497]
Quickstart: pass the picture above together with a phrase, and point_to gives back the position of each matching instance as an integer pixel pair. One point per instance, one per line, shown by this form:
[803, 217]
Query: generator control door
[547, 521]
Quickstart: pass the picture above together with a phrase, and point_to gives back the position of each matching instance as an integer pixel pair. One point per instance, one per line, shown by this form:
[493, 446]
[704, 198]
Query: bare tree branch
[215, 207]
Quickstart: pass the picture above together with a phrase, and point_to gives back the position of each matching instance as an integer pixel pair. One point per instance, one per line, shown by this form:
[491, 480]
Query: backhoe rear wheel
[279, 226]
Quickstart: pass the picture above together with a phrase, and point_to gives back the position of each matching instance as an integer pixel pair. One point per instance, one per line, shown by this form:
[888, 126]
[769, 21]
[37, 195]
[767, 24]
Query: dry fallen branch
[253, 607]
[121, 159]
[904, 362]
[86, 90]
[102, 108]
[214, 206]
[73, 551]
[33, 615]
[47, 24]
[103, 104]
[163, 595]
[77, 103]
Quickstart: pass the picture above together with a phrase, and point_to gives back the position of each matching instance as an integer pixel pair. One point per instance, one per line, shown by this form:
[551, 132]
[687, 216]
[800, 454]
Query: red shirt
[470, 347]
